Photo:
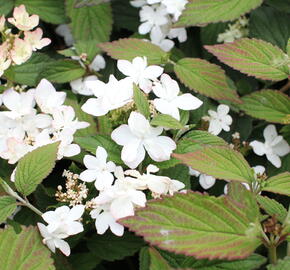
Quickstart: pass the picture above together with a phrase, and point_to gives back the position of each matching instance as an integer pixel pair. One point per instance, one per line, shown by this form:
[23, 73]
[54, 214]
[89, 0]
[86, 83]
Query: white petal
[214, 127]
[91, 162]
[144, 28]
[259, 169]
[125, 67]
[258, 148]
[206, 181]
[101, 154]
[63, 246]
[282, 148]
[76, 212]
[95, 107]
[88, 175]
[139, 158]
[223, 110]
[104, 179]
[274, 159]
[270, 133]
[122, 207]
[72, 150]
[117, 228]
[187, 102]
[152, 72]
[166, 107]
[122, 135]
[130, 150]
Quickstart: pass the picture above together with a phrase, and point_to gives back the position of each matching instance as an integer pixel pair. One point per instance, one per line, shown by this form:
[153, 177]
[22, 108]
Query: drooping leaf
[34, 167]
[129, 48]
[272, 207]
[199, 12]
[197, 225]
[281, 264]
[91, 143]
[6, 6]
[165, 120]
[51, 11]
[278, 184]
[157, 262]
[24, 251]
[270, 105]
[254, 57]
[275, 31]
[7, 207]
[141, 102]
[110, 247]
[220, 162]
[28, 72]
[62, 71]
[205, 78]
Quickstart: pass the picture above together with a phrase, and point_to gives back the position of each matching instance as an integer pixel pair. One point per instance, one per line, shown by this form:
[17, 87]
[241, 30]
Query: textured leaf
[270, 105]
[157, 262]
[165, 120]
[144, 259]
[207, 11]
[281, 264]
[91, 143]
[254, 57]
[6, 6]
[7, 207]
[204, 138]
[23, 251]
[28, 73]
[278, 184]
[141, 102]
[220, 162]
[281, 5]
[63, 71]
[129, 48]
[272, 207]
[83, 261]
[205, 78]
[110, 247]
[196, 225]
[71, 100]
[51, 11]
[34, 167]
[275, 31]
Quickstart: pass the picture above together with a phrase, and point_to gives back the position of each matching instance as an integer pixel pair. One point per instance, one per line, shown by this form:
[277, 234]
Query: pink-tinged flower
[22, 20]
[2, 23]
[21, 51]
[35, 39]
[4, 61]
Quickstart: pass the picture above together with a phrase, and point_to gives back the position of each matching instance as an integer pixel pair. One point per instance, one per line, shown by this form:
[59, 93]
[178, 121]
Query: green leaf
[199, 12]
[275, 31]
[24, 251]
[28, 73]
[254, 57]
[110, 247]
[129, 48]
[205, 78]
[51, 11]
[34, 167]
[165, 120]
[270, 105]
[220, 162]
[91, 143]
[281, 264]
[278, 184]
[83, 261]
[180, 223]
[7, 207]
[205, 138]
[144, 259]
[281, 5]
[141, 102]
[157, 262]
[62, 71]
[178, 172]
[71, 100]
[272, 207]
[6, 6]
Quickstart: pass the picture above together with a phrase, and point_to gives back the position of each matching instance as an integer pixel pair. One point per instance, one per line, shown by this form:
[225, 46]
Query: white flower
[64, 31]
[98, 169]
[274, 146]
[4, 58]
[168, 101]
[219, 120]
[179, 33]
[47, 98]
[206, 181]
[65, 220]
[152, 16]
[136, 136]
[21, 52]
[54, 240]
[98, 63]
[104, 220]
[35, 39]
[158, 37]
[22, 20]
[138, 3]
[80, 86]
[175, 7]
[140, 72]
[110, 96]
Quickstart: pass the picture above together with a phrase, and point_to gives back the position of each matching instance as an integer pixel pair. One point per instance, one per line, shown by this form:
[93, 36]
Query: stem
[272, 254]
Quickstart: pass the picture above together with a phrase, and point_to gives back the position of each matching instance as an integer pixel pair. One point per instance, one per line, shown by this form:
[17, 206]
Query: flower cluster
[25, 127]
[62, 223]
[121, 192]
[235, 31]
[17, 48]
[157, 17]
